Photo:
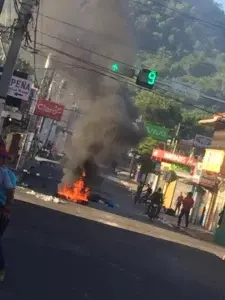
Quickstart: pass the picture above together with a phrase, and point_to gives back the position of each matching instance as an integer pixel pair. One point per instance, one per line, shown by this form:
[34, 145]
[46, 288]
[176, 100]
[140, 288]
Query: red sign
[161, 155]
[49, 109]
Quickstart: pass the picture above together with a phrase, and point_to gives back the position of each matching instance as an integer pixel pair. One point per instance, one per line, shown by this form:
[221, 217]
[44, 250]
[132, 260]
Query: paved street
[57, 251]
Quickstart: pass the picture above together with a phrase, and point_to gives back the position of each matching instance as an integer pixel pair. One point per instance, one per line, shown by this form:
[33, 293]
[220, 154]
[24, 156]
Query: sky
[221, 2]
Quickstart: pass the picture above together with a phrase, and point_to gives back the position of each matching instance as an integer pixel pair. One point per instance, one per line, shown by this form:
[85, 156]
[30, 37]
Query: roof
[214, 119]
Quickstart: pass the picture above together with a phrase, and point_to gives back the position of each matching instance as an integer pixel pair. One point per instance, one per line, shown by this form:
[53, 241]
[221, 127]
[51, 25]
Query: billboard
[213, 160]
[49, 109]
[162, 155]
[157, 132]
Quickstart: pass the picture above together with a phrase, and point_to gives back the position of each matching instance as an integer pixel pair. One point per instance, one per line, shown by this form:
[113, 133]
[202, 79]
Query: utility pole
[2, 2]
[58, 96]
[43, 92]
[46, 94]
[175, 138]
[24, 17]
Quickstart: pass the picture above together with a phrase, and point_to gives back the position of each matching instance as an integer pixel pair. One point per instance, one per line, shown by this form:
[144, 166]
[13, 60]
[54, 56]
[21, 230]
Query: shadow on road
[53, 255]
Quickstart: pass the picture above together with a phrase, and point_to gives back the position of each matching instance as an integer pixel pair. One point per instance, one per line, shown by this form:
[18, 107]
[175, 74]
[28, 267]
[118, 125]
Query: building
[175, 169]
[213, 167]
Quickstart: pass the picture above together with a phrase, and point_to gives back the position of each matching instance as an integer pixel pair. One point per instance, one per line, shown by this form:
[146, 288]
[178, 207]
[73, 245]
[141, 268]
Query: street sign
[19, 88]
[157, 132]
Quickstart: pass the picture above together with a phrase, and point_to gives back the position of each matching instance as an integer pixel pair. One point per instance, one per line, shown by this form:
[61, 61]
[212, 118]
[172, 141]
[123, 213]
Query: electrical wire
[85, 49]
[115, 40]
[122, 80]
[97, 53]
[115, 60]
[139, 3]
[219, 25]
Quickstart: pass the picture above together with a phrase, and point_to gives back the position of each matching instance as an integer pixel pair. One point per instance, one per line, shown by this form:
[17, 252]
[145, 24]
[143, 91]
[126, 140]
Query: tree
[147, 145]
[190, 126]
[158, 109]
[180, 47]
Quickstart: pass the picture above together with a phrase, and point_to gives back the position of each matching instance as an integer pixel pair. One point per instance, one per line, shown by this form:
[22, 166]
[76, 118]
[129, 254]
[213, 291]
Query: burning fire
[77, 193]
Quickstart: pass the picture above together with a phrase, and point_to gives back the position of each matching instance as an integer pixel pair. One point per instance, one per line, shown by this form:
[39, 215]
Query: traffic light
[115, 67]
[146, 78]
[122, 69]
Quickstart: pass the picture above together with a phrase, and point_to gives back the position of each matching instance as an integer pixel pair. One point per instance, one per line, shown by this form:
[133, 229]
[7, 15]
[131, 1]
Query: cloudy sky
[221, 2]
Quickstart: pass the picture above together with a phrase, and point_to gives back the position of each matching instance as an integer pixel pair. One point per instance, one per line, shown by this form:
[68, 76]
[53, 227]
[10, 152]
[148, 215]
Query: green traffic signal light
[122, 69]
[115, 67]
[147, 78]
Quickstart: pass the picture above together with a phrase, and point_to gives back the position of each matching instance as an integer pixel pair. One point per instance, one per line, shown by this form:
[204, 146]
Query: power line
[80, 28]
[219, 25]
[85, 49]
[114, 59]
[130, 83]
[97, 53]
[185, 15]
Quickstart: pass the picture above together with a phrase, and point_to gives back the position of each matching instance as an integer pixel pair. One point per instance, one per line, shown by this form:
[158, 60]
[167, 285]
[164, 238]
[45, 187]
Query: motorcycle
[152, 210]
[143, 198]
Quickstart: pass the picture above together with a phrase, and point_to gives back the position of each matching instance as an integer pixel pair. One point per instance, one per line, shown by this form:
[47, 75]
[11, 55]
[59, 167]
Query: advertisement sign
[203, 177]
[49, 109]
[157, 132]
[202, 141]
[213, 160]
[19, 88]
[163, 155]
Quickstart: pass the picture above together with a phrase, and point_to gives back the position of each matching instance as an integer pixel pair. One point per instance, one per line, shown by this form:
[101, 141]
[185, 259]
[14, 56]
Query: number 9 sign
[147, 78]
[152, 77]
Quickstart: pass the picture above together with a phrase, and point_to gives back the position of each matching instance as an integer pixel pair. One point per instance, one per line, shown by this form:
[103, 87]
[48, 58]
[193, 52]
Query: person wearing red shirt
[187, 205]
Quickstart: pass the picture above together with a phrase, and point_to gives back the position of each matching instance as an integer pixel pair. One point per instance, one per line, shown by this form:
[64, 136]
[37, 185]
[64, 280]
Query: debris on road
[46, 197]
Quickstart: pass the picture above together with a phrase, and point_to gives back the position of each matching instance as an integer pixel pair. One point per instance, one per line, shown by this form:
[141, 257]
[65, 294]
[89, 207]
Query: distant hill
[184, 40]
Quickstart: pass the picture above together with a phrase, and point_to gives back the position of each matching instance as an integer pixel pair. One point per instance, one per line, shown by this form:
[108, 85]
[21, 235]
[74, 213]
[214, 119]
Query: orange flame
[77, 193]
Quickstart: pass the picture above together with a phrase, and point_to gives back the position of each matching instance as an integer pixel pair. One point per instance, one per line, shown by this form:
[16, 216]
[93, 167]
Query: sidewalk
[193, 230]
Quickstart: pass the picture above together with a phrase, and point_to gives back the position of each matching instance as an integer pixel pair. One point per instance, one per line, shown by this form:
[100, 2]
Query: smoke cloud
[105, 129]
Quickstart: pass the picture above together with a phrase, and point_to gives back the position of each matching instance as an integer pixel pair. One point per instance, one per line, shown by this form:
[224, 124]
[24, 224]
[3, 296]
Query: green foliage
[147, 145]
[24, 66]
[184, 50]
[157, 109]
[180, 47]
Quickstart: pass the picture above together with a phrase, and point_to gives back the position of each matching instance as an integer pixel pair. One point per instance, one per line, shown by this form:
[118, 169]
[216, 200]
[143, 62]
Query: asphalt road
[53, 253]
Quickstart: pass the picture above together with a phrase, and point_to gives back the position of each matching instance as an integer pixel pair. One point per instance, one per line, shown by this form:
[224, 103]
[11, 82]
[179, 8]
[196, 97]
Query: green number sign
[147, 78]
[152, 77]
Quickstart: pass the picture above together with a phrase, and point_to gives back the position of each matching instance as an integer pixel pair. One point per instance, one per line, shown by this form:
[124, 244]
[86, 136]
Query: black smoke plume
[105, 129]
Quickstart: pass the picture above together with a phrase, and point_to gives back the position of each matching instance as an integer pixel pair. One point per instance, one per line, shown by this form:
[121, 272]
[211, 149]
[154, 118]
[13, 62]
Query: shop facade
[175, 168]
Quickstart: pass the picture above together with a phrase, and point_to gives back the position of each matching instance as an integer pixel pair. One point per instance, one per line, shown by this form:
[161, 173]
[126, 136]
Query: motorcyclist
[157, 198]
[148, 192]
[139, 192]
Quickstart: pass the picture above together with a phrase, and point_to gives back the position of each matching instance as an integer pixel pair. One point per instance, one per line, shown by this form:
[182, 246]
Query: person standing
[179, 203]
[114, 166]
[7, 189]
[188, 203]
